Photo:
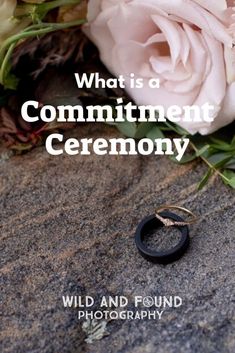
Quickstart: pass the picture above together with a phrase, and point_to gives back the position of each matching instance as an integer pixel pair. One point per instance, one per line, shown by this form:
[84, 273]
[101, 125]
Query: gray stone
[67, 227]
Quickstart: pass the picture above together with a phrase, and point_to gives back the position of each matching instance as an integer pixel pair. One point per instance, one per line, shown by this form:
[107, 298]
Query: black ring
[167, 256]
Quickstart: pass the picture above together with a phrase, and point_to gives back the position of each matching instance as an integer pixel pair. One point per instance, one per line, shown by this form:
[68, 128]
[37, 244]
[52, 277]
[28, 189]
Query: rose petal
[140, 28]
[139, 55]
[200, 64]
[195, 14]
[214, 6]
[212, 91]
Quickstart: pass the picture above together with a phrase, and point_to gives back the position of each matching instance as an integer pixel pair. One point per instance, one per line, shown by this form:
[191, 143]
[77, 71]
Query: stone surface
[67, 227]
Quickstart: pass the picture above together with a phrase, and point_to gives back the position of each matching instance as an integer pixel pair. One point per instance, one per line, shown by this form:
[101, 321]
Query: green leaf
[205, 179]
[128, 129]
[229, 178]
[222, 163]
[232, 183]
[221, 145]
[179, 130]
[143, 130]
[185, 159]
[155, 133]
[202, 150]
[218, 158]
[230, 164]
[233, 141]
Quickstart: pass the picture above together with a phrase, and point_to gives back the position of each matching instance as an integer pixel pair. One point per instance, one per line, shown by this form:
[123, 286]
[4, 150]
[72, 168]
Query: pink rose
[187, 44]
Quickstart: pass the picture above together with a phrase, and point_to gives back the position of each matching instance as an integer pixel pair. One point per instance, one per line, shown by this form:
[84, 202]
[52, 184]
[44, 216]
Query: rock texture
[67, 227]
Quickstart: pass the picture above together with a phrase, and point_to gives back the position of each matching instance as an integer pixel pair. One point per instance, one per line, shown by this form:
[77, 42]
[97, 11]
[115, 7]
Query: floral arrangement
[189, 45]
[24, 19]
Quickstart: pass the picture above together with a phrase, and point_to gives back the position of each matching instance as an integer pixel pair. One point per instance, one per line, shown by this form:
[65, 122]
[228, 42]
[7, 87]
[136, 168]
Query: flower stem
[32, 31]
[211, 166]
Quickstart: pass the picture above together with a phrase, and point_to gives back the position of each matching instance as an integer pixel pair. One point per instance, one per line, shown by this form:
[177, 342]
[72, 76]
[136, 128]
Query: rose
[187, 44]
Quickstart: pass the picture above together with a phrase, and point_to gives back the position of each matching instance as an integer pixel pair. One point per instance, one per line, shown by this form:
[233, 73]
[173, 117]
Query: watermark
[121, 307]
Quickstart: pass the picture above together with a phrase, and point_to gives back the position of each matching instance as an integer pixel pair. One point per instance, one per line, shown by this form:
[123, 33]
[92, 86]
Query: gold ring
[168, 222]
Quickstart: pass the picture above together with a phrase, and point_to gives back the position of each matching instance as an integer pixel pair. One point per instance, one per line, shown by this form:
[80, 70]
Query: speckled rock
[67, 227]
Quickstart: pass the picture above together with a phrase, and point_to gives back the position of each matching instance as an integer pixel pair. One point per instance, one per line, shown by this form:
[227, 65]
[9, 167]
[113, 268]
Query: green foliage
[36, 13]
[217, 151]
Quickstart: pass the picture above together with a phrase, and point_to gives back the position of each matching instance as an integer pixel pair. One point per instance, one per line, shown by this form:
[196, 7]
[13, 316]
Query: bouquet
[189, 45]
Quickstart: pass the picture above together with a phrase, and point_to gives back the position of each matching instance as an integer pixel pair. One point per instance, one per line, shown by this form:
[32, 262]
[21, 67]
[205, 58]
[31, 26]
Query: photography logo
[121, 307]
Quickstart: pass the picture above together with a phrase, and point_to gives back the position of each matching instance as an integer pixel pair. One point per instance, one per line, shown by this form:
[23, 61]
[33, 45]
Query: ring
[168, 222]
[152, 222]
